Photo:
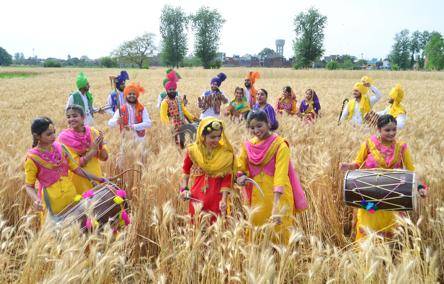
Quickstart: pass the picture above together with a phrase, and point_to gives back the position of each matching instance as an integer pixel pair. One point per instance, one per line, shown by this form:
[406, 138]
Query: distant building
[386, 64]
[276, 60]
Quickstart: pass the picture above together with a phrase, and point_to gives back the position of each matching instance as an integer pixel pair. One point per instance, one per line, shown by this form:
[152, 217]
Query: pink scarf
[79, 142]
[256, 154]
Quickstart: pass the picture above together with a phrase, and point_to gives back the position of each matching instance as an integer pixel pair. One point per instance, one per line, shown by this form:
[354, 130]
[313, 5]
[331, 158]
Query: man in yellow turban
[361, 103]
[395, 108]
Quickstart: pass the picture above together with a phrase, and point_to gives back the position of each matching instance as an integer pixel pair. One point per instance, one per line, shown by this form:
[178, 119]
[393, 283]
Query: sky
[56, 28]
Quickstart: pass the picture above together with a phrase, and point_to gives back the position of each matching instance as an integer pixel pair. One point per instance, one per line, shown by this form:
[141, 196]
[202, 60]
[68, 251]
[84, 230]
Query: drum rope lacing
[384, 199]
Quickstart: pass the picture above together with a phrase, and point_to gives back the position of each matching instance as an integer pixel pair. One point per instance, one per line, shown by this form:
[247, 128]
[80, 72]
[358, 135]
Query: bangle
[239, 174]
[182, 189]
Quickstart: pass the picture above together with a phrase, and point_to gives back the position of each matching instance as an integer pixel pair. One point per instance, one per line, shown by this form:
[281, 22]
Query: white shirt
[210, 111]
[248, 95]
[89, 120]
[145, 124]
[110, 101]
[400, 119]
[357, 116]
[159, 100]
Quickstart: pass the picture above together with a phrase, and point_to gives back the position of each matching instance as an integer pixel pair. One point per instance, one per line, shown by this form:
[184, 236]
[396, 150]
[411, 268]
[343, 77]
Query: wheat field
[161, 245]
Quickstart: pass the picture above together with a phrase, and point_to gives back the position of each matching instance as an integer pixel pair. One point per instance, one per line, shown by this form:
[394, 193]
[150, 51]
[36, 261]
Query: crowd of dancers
[62, 169]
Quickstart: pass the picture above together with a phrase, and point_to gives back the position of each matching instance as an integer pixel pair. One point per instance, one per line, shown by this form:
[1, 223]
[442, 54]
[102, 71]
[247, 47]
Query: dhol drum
[371, 118]
[102, 204]
[380, 189]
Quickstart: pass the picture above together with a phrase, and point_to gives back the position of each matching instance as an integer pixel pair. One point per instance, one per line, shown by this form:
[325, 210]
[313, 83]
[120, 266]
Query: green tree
[5, 57]
[415, 46]
[400, 54]
[108, 62]
[52, 62]
[308, 45]
[207, 25]
[266, 53]
[173, 24]
[136, 51]
[425, 37]
[332, 65]
[19, 58]
[434, 52]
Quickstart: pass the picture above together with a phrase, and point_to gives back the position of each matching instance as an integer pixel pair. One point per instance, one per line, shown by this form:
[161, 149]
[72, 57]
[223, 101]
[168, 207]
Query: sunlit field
[162, 246]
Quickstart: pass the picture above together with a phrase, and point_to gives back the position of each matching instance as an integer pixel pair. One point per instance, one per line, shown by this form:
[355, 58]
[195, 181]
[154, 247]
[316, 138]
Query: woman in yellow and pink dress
[266, 159]
[48, 163]
[310, 106]
[287, 102]
[385, 152]
[85, 144]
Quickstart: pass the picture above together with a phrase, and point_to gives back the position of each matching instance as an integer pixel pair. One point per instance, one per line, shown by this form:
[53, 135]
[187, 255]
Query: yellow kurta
[60, 194]
[164, 112]
[380, 221]
[268, 184]
[93, 166]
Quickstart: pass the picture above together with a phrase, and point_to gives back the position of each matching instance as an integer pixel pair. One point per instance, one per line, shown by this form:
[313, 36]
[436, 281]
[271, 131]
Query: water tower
[280, 47]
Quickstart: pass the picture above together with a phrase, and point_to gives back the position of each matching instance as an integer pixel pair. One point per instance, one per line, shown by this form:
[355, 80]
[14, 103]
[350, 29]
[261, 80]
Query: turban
[133, 88]
[361, 88]
[397, 94]
[171, 80]
[170, 85]
[253, 76]
[122, 78]
[81, 81]
[366, 80]
[218, 79]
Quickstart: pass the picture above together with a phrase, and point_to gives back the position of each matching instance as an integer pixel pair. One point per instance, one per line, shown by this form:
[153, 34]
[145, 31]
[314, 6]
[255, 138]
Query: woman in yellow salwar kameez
[266, 159]
[86, 146]
[386, 153]
[48, 163]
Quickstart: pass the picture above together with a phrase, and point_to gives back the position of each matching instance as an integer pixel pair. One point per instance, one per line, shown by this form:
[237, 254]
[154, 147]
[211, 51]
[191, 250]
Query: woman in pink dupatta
[86, 146]
[266, 159]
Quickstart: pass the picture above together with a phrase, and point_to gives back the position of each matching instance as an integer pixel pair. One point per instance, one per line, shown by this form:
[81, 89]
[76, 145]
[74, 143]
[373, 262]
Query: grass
[9, 75]
[162, 247]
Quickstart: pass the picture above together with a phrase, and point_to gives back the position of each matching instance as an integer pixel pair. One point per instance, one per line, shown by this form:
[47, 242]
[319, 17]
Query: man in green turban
[83, 98]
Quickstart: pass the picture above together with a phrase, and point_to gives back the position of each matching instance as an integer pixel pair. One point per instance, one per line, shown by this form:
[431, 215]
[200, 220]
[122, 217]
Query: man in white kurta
[357, 117]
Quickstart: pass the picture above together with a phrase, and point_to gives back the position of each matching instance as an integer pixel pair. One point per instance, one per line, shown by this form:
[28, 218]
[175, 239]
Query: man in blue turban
[116, 97]
[211, 100]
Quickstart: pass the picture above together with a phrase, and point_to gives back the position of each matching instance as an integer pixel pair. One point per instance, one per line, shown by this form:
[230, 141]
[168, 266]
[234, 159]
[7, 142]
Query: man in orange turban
[250, 92]
[133, 115]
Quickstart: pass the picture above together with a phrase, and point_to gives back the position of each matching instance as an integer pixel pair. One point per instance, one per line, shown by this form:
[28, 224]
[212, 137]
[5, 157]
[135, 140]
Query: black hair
[258, 115]
[265, 92]
[38, 126]
[239, 88]
[287, 89]
[209, 128]
[385, 119]
[76, 108]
